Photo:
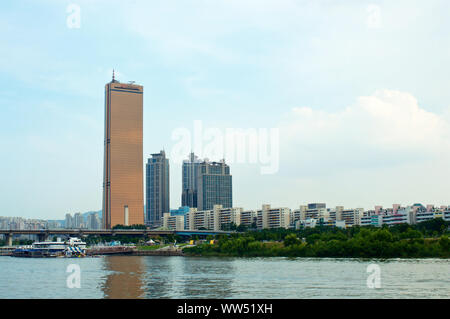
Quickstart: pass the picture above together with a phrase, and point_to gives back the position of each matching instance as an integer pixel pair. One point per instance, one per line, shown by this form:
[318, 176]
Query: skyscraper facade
[123, 155]
[190, 174]
[68, 222]
[157, 189]
[214, 184]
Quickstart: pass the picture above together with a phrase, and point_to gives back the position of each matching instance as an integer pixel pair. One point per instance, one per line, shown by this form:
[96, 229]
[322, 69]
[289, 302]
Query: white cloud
[388, 128]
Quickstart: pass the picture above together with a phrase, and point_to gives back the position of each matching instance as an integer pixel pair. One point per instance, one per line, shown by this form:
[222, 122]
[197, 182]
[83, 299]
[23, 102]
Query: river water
[201, 277]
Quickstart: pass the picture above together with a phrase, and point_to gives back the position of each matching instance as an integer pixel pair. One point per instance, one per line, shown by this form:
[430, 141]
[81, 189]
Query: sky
[357, 93]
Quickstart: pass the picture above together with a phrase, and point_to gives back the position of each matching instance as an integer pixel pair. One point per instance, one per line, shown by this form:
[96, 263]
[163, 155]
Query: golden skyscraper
[123, 158]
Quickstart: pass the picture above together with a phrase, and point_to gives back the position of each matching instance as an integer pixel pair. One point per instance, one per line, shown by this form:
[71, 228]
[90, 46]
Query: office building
[214, 184]
[190, 172]
[157, 189]
[123, 156]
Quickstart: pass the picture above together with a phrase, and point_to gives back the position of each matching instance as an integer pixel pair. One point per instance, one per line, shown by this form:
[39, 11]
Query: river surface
[205, 277]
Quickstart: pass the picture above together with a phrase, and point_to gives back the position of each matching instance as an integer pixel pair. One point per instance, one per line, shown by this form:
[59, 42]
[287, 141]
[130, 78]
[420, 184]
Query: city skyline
[359, 92]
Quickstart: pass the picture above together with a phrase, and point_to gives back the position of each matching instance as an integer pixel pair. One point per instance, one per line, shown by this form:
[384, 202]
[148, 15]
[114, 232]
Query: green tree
[291, 240]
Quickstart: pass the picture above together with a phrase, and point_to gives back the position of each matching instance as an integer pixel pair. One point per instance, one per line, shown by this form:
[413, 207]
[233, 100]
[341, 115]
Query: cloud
[386, 129]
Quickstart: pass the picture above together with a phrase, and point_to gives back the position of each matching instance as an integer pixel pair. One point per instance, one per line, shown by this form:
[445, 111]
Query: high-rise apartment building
[78, 220]
[157, 189]
[68, 222]
[268, 217]
[93, 221]
[123, 156]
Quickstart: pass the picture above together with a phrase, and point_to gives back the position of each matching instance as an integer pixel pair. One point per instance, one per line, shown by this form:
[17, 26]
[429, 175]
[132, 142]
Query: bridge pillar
[42, 237]
[9, 239]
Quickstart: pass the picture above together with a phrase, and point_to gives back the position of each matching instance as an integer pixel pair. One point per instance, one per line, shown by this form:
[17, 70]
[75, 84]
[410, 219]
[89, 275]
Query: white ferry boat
[73, 247]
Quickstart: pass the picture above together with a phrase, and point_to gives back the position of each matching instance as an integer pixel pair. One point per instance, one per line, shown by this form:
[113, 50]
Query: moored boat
[73, 247]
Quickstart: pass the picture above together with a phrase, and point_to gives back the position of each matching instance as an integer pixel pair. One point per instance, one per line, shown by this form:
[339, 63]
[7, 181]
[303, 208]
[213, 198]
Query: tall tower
[123, 159]
[157, 189]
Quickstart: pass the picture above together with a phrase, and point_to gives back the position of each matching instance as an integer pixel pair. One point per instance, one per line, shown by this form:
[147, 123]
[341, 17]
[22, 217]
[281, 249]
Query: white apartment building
[268, 217]
[225, 216]
[214, 219]
[248, 218]
[350, 216]
[173, 222]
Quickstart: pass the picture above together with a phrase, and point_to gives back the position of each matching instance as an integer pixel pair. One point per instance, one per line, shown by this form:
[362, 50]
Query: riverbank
[401, 241]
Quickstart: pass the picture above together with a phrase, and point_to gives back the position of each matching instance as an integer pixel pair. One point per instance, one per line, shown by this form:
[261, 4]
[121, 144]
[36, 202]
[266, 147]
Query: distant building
[206, 184]
[310, 211]
[351, 217]
[248, 218]
[317, 205]
[214, 183]
[174, 222]
[78, 221]
[157, 189]
[218, 218]
[371, 220]
[225, 217]
[190, 173]
[183, 210]
[93, 221]
[268, 217]
[176, 219]
[69, 222]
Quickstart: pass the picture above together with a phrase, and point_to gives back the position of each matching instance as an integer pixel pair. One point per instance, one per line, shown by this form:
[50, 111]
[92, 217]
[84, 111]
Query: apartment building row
[78, 221]
[399, 215]
[310, 215]
[220, 217]
[267, 217]
[20, 223]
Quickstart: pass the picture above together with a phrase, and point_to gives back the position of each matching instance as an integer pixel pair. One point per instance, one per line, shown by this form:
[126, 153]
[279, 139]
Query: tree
[444, 242]
[241, 228]
[291, 240]
[229, 226]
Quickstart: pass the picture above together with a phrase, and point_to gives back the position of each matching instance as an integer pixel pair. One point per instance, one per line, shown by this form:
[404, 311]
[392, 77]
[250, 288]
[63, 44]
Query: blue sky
[359, 91]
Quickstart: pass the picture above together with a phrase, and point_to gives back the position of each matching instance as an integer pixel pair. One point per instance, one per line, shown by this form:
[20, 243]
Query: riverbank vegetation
[424, 240]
